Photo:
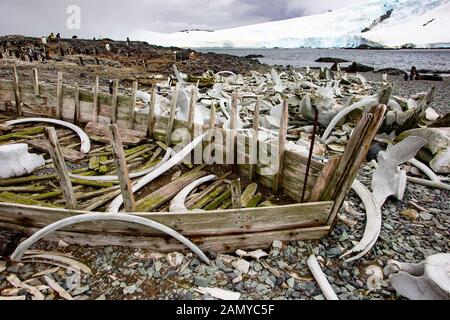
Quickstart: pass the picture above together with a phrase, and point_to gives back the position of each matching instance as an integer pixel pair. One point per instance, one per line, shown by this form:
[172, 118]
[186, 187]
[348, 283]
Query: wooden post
[17, 93]
[236, 194]
[122, 169]
[278, 178]
[191, 118]
[254, 142]
[35, 82]
[233, 131]
[59, 96]
[151, 112]
[77, 112]
[352, 159]
[212, 121]
[172, 116]
[95, 108]
[133, 103]
[114, 101]
[60, 166]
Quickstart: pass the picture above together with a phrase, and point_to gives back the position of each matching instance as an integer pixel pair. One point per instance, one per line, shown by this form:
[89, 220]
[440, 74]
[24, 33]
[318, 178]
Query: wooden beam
[151, 112]
[376, 117]
[133, 104]
[17, 92]
[60, 166]
[59, 96]
[95, 106]
[232, 152]
[114, 101]
[122, 169]
[192, 105]
[36, 81]
[324, 179]
[236, 194]
[278, 179]
[77, 111]
[172, 116]
[212, 121]
[253, 150]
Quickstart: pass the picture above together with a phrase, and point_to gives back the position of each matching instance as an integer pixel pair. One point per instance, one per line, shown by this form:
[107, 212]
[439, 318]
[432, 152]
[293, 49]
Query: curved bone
[85, 143]
[428, 183]
[373, 224]
[25, 245]
[321, 279]
[367, 102]
[177, 204]
[117, 202]
[424, 168]
[132, 175]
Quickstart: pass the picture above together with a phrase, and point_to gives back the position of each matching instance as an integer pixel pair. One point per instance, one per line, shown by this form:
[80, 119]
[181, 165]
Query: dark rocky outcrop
[358, 67]
[392, 71]
[254, 56]
[331, 60]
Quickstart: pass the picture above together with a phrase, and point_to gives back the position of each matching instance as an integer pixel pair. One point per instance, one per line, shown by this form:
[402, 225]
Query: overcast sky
[117, 19]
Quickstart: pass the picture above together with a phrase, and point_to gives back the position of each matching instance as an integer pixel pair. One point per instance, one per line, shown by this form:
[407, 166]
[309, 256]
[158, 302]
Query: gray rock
[201, 281]
[290, 282]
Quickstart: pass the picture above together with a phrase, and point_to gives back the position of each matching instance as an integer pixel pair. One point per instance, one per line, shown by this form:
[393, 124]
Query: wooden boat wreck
[316, 190]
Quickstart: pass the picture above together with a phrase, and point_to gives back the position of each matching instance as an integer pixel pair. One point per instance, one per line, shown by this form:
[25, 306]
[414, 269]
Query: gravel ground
[122, 273]
[402, 88]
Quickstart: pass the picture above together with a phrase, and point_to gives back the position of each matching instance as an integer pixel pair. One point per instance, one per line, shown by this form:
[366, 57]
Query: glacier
[422, 24]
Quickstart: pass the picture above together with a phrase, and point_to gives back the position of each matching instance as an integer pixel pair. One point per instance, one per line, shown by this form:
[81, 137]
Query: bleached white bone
[373, 223]
[387, 179]
[177, 204]
[16, 161]
[91, 217]
[117, 202]
[424, 168]
[321, 280]
[366, 102]
[429, 280]
[85, 143]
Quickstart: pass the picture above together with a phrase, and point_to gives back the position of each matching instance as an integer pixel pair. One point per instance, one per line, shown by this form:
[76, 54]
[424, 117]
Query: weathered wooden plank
[223, 244]
[324, 179]
[151, 113]
[35, 81]
[60, 166]
[236, 194]
[68, 154]
[17, 95]
[253, 150]
[133, 103]
[99, 132]
[76, 118]
[357, 159]
[278, 180]
[191, 111]
[190, 224]
[122, 169]
[95, 106]
[170, 124]
[59, 96]
[166, 193]
[115, 92]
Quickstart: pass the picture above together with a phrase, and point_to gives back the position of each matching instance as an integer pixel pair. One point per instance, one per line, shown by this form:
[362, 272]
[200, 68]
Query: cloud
[117, 19]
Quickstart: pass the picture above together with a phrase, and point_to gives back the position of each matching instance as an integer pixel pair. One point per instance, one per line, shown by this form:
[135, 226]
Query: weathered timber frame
[223, 230]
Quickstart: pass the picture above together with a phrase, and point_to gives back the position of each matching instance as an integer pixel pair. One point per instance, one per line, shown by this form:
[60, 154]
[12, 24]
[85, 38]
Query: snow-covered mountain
[393, 23]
